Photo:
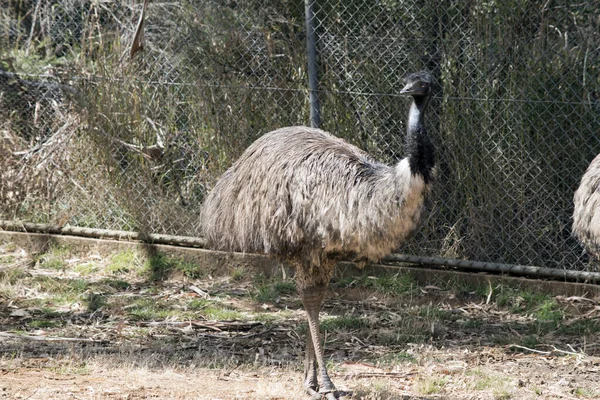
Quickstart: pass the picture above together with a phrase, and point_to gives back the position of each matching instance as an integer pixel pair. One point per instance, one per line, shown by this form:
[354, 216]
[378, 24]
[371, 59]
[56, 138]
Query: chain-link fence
[92, 137]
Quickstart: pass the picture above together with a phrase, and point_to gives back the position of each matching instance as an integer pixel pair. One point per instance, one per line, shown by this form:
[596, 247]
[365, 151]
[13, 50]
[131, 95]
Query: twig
[199, 291]
[48, 338]
[554, 350]
[377, 375]
[33, 25]
[210, 335]
[215, 326]
[528, 349]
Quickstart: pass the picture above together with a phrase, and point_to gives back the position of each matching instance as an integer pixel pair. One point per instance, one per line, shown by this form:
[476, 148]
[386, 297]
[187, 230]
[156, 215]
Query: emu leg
[311, 383]
[312, 298]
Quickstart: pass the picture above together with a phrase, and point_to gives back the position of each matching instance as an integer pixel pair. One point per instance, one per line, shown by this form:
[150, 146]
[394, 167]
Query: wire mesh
[92, 137]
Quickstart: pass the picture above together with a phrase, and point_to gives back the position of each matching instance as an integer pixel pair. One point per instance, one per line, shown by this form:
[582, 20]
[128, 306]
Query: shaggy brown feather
[300, 190]
[586, 216]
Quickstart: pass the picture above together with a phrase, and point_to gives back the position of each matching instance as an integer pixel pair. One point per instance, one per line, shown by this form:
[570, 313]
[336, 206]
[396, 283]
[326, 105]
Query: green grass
[580, 327]
[471, 323]
[6, 259]
[238, 274]
[124, 262]
[432, 313]
[148, 309]
[216, 313]
[270, 292]
[42, 323]
[399, 284]
[117, 284]
[586, 393]
[482, 381]
[61, 290]
[87, 268]
[12, 276]
[49, 312]
[394, 285]
[404, 336]
[395, 358]
[159, 266]
[212, 310]
[434, 384]
[74, 369]
[198, 304]
[94, 301]
[343, 323]
[55, 258]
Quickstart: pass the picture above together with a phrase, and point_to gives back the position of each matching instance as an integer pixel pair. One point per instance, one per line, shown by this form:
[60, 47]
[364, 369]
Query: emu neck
[415, 116]
[420, 150]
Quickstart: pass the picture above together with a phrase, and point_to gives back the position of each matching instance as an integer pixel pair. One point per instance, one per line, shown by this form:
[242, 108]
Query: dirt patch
[124, 326]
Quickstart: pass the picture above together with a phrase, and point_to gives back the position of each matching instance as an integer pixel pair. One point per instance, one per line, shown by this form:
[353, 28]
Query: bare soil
[89, 327]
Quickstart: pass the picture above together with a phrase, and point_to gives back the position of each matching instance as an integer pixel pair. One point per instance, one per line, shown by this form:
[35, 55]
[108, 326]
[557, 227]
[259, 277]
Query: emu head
[418, 84]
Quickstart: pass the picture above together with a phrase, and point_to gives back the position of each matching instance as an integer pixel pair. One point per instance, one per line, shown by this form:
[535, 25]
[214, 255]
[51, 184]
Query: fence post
[311, 46]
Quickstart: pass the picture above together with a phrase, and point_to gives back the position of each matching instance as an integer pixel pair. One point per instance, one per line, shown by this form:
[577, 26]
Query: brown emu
[586, 216]
[309, 198]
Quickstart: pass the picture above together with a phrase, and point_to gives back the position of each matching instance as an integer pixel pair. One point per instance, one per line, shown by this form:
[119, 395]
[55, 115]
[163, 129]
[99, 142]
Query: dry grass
[125, 326]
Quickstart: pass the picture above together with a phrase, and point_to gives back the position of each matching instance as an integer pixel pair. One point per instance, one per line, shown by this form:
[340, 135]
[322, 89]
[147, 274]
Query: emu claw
[314, 395]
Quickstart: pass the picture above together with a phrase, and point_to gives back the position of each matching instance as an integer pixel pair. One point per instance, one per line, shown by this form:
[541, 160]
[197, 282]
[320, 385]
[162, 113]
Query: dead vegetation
[125, 325]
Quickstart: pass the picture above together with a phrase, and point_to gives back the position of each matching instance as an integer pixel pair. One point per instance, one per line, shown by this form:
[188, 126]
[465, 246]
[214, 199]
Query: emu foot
[331, 396]
[314, 395]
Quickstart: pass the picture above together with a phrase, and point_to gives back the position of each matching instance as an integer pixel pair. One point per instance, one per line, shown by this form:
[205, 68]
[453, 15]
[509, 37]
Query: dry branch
[48, 338]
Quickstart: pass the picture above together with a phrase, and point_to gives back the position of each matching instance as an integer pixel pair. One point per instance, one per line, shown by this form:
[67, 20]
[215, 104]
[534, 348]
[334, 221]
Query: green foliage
[11, 276]
[238, 274]
[580, 327]
[586, 393]
[149, 309]
[54, 258]
[343, 323]
[219, 313]
[159, 266]
[541, 306]
[124, 262]
[116, 284]
[269, 291]
[432, 385]
[395, 358]
[198, 304]
[399, 284]
[41, 324]
[95, 301]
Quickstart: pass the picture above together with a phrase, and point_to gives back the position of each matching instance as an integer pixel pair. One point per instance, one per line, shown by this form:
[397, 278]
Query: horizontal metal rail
[476, 266]
[482, 266]
[18, 226]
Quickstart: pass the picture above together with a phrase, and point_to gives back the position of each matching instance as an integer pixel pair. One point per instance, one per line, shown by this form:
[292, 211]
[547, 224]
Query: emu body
[301, 191]
[586, 215]
[310, 198]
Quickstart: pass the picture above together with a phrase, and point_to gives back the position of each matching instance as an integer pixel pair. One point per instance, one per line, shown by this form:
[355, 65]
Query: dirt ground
[121, 326]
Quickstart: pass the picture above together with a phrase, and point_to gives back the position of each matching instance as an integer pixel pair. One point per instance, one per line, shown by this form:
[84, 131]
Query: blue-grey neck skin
[419, 149]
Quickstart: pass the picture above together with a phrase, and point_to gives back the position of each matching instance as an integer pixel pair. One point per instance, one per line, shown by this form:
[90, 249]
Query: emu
[586, 215]
[309, 199]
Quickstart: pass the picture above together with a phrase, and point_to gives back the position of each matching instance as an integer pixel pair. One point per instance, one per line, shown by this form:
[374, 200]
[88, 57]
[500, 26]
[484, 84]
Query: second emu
[586, 213]
[309, 198]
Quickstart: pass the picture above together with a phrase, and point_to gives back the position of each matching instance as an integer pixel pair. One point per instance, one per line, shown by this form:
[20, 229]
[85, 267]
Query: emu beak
[414, 88]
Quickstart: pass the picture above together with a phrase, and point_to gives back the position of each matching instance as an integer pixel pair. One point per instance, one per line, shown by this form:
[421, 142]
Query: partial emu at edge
[586, 215]
[310, 199]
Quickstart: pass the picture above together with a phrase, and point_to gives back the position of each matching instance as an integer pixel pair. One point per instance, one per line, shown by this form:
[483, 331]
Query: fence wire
[94, 138]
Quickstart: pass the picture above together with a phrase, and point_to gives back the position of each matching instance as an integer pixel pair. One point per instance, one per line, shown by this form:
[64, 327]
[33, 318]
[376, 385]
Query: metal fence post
[311, 46]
